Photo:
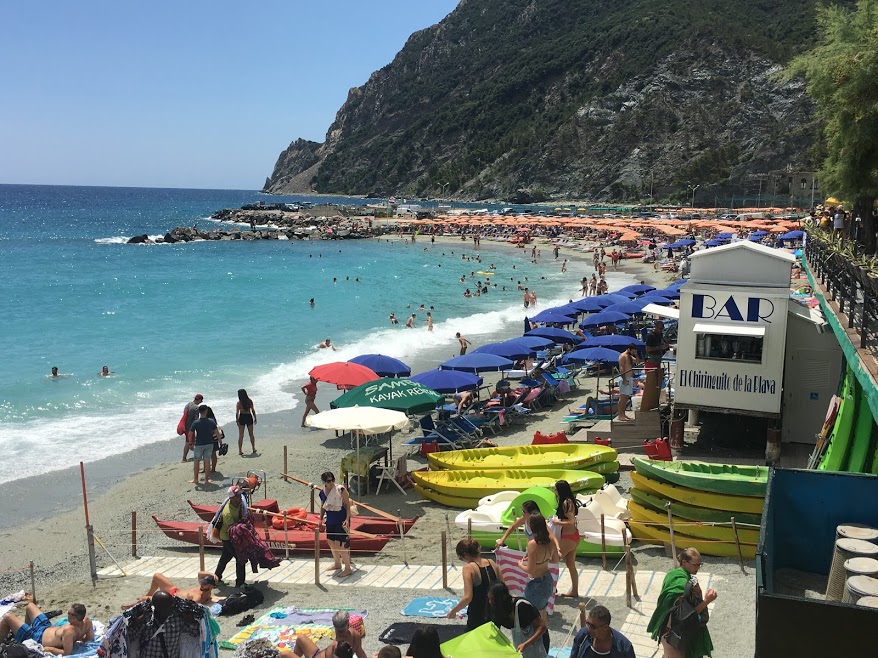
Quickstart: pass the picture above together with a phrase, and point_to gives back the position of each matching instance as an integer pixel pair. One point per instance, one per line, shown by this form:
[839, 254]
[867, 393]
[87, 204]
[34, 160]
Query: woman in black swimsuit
[478, 576]
[245, 416]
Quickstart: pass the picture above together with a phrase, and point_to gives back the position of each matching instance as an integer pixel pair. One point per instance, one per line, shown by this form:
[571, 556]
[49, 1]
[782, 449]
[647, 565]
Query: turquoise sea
[206, 317]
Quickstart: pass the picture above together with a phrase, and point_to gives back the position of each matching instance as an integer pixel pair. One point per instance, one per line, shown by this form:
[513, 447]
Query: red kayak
[374, 525]
[300, 541]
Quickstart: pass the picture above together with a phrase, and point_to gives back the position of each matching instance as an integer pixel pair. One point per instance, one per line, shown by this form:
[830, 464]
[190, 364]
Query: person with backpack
[680, 619]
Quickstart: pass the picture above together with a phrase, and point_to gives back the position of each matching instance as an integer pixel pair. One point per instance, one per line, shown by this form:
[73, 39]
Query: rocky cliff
[601, 99]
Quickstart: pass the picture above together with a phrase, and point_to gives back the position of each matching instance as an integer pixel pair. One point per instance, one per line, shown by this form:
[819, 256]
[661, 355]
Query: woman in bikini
[345, 645]
[245, 416]
[478, 575]
[566, 518]
[528, 507]
[542, 551]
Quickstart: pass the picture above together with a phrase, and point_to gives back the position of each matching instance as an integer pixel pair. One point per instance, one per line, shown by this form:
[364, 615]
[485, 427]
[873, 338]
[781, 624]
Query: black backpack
[685, 623]
[242, 600]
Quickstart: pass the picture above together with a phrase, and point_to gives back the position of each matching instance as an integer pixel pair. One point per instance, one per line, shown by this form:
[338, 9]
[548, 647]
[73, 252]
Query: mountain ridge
[603, 99]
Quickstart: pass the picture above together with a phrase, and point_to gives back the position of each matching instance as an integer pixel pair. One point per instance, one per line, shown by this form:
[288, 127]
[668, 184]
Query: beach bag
[684, 624]
[241, 600]
[520, 635]
[181, 426]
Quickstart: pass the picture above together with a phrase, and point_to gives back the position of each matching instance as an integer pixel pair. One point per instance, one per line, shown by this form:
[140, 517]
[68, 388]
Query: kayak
[748, 504]
[718, 478]
[300, 541]
[478, 483]
[718, 533]
[836, 452]
[651, 534]
[552, 456]
[374, 525]
[861, 446]
[691, 512]
[495, 514]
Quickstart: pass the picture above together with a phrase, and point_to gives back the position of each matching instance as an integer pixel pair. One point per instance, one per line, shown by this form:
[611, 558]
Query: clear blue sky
[183, 93]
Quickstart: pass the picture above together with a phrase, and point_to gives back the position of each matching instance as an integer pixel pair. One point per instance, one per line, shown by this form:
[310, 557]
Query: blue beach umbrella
[384, 366]
[661, 300]
[756, 238]
[605, 317]
[588, 304]
[614, 342]
[593, 355]
[534, 342]
[629, 308]
[552, 318]
[676, 284]
[567, 309]
[477, 362]
[667, 293]
[448, 381]
[616, 298]
[726, 235]
[637, 288]
[793, 235]
[508, 350]
[686, 242]
[556, 335]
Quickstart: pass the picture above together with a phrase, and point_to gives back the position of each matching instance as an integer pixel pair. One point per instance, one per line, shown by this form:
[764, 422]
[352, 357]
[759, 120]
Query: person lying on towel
[202, 594]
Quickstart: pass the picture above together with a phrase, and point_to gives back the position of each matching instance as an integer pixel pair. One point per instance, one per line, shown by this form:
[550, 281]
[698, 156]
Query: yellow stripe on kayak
[749, 504]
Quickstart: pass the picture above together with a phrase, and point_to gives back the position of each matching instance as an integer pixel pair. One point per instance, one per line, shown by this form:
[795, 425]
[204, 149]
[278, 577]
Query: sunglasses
[593, 627]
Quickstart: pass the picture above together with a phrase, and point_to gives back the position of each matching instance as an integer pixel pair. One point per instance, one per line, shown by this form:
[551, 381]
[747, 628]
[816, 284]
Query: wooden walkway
[593, 583]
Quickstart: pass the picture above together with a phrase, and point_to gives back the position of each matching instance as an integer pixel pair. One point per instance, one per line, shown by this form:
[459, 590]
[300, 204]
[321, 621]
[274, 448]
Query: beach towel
[516, 578]
[429, 606]
[7, 603]
[559, 652]
[281, 624]
[402, 632]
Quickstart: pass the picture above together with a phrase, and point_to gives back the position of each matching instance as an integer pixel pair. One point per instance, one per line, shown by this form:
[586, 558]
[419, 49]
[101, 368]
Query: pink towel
[516, 578]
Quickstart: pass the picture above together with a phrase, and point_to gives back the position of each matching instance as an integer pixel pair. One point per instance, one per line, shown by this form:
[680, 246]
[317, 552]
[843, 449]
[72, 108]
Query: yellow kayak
[748, 504]
[694, 528]
[477, 484]
[554, 456]
[651, 534]
[446, 499]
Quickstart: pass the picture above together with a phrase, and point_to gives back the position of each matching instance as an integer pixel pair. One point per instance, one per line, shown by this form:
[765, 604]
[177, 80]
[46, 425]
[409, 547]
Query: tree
[841, 73]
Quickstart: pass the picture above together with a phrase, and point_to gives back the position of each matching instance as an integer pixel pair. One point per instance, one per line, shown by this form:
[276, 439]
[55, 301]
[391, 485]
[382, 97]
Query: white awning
[662, 311]
[728, 329]
[813, 315]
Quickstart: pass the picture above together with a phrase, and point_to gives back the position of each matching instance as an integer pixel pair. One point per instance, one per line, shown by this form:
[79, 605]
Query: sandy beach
[44, 521]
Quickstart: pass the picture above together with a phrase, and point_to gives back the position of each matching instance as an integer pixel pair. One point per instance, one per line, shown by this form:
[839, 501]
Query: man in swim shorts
[57, 640]
[627, 361]
[464, 343]
[202, 594]
[310, 392]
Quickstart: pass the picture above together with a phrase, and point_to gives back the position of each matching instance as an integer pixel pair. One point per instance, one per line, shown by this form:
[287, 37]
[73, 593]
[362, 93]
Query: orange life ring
[294, 515]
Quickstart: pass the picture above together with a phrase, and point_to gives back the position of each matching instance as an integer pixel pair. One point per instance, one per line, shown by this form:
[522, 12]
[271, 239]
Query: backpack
[241, 600]
[684, 624]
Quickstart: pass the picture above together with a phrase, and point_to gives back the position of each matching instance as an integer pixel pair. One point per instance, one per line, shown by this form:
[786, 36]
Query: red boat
[300, 541]
[374, 525]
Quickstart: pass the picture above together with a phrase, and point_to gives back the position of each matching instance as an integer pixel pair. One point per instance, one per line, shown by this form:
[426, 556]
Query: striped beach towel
[516, 578]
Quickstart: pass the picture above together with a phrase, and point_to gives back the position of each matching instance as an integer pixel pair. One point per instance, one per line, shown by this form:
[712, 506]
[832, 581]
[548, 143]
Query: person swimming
[105, 372]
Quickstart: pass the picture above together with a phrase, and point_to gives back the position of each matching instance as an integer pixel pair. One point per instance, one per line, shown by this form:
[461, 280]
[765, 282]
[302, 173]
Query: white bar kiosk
[732, 330]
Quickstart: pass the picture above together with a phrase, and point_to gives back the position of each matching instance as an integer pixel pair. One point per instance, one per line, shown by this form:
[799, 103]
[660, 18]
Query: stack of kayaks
[703, 500]
[465, 488]
[852, 445]
[496, 513]
[461, 478]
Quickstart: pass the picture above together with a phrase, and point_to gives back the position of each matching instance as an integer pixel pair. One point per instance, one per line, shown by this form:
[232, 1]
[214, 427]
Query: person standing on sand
[478, 575]
[566, 518]
[463, 343]
[205, 431]
[335, 508]
[233, 509]
[245, 416]
[310, 392]
[627, 361]
[191, 413]
[682, 582]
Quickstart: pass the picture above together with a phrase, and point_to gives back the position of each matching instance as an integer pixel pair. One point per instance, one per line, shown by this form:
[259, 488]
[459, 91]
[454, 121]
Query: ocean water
[206, 317]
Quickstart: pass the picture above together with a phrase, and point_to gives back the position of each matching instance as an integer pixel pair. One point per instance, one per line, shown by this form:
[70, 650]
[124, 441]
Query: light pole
[443, 187]
[692, 205]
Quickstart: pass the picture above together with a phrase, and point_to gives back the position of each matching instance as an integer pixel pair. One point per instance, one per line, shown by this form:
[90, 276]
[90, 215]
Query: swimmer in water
[55, 372]
[105, 372]
[326, 344]
[311, 301]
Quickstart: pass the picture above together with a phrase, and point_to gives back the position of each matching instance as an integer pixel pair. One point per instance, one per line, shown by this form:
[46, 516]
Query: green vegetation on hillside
[491, 93]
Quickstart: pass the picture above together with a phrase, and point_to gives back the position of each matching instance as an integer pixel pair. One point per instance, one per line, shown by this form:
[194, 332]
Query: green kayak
[719, 478]
[691, 512]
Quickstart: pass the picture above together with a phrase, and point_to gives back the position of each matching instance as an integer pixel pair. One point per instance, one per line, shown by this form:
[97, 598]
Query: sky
[190, 93]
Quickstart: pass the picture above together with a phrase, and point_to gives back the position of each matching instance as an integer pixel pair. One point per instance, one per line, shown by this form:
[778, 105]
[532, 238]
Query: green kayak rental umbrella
[391, 393]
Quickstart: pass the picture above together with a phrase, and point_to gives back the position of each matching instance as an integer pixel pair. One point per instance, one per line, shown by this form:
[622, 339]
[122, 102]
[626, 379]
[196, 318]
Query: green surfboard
[861, 447]
[836, 453]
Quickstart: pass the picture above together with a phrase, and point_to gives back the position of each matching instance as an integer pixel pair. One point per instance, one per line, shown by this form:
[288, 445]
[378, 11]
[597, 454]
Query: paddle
[374, 510]
[316, 524]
